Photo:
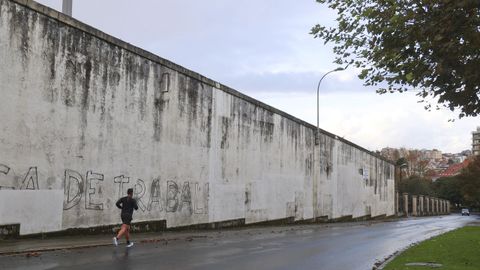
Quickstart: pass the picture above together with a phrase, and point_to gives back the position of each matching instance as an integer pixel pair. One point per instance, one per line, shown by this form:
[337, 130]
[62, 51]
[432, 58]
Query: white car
[465, 212]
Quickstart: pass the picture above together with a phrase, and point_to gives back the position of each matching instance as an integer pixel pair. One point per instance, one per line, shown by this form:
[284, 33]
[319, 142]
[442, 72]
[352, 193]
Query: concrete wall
[35, 210]
[89, 115]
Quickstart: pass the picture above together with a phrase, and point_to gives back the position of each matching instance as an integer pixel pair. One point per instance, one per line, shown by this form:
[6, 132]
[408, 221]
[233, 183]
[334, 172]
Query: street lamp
[317, 142]
[67, 7]
[317, 139]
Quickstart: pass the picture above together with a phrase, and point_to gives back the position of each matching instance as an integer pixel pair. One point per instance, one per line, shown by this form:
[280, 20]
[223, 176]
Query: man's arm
[119, 203]
[135, 205]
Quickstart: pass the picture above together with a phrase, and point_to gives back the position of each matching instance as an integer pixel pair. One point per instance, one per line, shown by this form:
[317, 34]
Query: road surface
[355, 246]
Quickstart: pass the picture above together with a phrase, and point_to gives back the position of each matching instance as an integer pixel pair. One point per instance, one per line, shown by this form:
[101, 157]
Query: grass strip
[455, 250]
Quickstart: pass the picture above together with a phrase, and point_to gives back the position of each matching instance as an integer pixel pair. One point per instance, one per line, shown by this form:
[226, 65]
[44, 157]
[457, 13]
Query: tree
[417, 186]
[449, 188]
[401, 164]
[470, 181]
[429, 45]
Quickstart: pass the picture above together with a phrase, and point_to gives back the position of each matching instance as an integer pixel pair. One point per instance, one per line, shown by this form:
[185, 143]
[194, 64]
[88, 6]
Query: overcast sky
[263, 49]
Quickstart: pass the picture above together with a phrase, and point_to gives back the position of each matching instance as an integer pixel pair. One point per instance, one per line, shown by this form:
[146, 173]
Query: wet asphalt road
[330, 247]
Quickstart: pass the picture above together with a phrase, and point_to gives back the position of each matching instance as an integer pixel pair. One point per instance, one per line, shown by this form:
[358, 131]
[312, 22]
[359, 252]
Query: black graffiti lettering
[120, 180]
[139, 192]
[4, 169]
[186, 198]
[90, 191]
[201, 199]
[155, 195]
[31, 179]
[172, 196]
[73, 189]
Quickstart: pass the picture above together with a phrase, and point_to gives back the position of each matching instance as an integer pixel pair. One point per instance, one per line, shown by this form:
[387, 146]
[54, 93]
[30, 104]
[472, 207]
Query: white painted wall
[92, 118]
[35, 210]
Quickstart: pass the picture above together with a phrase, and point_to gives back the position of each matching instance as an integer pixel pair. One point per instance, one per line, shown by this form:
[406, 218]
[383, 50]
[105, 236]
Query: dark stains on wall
[292, 131]
[252, 123]
[326, 155]
[346, 154]
[114, 67]
[225, 132]
[263, 123]
[84, 106]
[206, 114]
[195, 106]
[51, 37]
[182, 94]
[374, 176]
[71, 44]
[137, 76]
[130, 75]
[161, 90]
[104, 86]
[194, 87]
[145, 75]
[85, 72]
[309, 165]
[20, 22]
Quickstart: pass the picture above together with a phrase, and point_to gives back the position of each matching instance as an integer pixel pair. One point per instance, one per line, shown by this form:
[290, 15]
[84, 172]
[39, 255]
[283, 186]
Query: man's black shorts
[126, 219]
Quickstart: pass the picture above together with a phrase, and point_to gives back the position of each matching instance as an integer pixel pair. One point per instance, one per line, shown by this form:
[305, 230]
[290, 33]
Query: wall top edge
[67, 20]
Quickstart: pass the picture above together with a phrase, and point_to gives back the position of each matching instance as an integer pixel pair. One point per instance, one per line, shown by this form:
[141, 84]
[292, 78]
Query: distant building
[430, 163]
[454, 169]
[476, 142]
[431, 154]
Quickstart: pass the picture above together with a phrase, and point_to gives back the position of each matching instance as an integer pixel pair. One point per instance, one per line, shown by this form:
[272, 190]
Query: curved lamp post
[317, 142]
[317, 136]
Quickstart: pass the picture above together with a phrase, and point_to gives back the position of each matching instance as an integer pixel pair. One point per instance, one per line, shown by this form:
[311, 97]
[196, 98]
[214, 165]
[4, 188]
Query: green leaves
[433, 46]
[409, 77]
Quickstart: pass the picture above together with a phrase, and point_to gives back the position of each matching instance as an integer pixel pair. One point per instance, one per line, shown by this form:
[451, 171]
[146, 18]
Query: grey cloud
[293, 82]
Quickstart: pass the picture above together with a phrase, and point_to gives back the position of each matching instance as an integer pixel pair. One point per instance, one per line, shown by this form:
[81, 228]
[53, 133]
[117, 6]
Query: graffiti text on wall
[87, 190]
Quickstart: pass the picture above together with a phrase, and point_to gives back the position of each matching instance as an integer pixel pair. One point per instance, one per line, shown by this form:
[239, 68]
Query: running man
[127, 204]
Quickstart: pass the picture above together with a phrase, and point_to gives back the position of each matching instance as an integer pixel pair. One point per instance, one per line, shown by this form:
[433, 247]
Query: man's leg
[127, 233]
[122, 231]
[119, 234]
[127, 236]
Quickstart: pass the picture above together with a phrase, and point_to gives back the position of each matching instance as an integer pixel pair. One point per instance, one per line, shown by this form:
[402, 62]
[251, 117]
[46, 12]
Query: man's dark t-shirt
[127, 205]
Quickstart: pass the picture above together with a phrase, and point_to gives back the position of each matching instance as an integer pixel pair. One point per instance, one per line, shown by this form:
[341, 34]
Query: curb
[381, 264]
[39, 250]
[35, 252]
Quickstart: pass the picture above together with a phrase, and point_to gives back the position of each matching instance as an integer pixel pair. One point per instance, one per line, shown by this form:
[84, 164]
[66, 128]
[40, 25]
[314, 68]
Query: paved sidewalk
[25, 246]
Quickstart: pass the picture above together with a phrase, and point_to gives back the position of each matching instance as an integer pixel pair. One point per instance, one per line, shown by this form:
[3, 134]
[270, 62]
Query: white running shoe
[115, 241]
[130, 244]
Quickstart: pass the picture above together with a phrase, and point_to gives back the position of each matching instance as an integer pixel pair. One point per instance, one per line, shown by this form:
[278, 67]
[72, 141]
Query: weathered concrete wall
[35, 210]
[89, 115]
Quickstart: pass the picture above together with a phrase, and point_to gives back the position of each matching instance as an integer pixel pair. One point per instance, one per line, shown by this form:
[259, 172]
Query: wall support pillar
[427, 204]
[397, 203]
[414, 205]
[421, 210]
[405, 204]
